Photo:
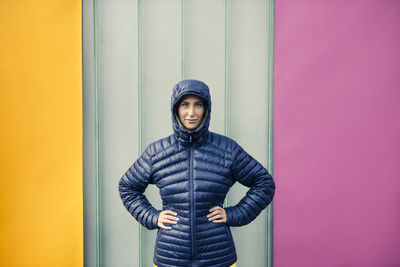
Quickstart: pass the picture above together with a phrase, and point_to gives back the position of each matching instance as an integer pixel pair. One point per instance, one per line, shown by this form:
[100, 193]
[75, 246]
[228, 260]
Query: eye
[198, 105]
[184, 104]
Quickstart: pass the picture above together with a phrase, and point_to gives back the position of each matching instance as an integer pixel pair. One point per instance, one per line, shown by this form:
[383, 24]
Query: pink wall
[337, 133]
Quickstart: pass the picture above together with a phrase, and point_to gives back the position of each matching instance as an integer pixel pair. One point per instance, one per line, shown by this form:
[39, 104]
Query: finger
[219, 218]
[215, 212]
[215, 217]
[168, 221]
[164, 227]
[215, 208]
[169, 212]
[169, 217]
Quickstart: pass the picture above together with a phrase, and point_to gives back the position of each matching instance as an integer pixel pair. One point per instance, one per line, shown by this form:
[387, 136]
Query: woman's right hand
[167, 216]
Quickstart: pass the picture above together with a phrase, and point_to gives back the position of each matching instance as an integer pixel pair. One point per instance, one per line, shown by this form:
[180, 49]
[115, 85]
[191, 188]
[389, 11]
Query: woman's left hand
[217, 215]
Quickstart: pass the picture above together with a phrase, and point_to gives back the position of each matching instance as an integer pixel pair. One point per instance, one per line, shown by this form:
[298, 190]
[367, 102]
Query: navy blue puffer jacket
[194, 171]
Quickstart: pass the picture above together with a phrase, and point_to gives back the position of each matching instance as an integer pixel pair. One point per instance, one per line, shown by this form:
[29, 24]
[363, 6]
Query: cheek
[202, 113]
[181, 113]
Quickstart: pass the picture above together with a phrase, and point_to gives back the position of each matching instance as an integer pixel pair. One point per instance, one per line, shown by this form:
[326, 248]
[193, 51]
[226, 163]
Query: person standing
[194, 169]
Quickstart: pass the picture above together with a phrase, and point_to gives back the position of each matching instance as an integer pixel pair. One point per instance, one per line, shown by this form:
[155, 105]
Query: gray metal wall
[133, 53]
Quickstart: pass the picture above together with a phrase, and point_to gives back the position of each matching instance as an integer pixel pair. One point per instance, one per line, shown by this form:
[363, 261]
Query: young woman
[194, 169]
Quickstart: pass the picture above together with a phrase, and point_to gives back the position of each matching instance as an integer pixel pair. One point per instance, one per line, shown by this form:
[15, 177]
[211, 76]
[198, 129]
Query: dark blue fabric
[194, 171]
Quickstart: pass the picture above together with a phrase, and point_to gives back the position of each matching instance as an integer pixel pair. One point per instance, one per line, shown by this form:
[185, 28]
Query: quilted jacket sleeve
[131, 188]
[251, 173]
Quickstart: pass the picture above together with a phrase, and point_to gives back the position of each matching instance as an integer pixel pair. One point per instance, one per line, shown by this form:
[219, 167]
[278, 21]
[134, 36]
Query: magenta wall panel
[337, 133]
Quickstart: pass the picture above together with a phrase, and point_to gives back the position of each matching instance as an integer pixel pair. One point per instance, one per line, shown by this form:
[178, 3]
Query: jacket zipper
[192, 208]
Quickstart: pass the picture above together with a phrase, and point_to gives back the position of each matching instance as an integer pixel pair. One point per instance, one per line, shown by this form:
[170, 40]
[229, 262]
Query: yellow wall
[41, 221]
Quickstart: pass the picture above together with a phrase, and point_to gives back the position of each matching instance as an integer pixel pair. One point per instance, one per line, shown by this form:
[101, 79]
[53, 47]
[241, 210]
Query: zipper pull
[190, 138]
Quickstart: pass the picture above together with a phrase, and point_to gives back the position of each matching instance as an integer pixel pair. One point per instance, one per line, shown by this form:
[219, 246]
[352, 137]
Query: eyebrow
[187, 102]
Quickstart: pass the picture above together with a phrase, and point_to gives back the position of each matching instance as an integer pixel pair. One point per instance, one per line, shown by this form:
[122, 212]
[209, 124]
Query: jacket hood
[190, 87]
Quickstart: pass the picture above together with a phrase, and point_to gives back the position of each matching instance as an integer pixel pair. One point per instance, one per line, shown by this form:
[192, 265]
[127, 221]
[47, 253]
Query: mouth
[191, 121]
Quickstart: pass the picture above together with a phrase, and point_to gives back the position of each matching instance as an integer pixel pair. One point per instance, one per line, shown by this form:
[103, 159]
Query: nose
[191, 111]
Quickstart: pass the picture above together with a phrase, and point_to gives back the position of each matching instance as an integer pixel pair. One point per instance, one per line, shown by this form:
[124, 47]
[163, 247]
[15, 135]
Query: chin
[191, 127]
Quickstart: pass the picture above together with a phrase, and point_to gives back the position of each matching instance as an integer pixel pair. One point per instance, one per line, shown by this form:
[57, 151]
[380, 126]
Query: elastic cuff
[154, 221]
[229, 216]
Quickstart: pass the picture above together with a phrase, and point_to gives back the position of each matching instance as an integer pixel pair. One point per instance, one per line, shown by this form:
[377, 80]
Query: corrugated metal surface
[134, 52]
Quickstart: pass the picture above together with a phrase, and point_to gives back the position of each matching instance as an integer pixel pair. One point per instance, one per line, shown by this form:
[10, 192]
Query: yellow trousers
[233, 265]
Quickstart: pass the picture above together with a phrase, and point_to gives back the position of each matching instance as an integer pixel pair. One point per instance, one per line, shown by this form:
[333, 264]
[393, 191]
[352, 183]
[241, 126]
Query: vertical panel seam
[226, 115]
[226, 130]
[270, 85]
[96, 127]
[182, 40]
[267, 237]
[272, 115]
[139, 40]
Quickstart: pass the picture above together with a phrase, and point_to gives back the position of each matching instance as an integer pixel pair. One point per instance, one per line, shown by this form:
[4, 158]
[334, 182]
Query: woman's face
[191, 111]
